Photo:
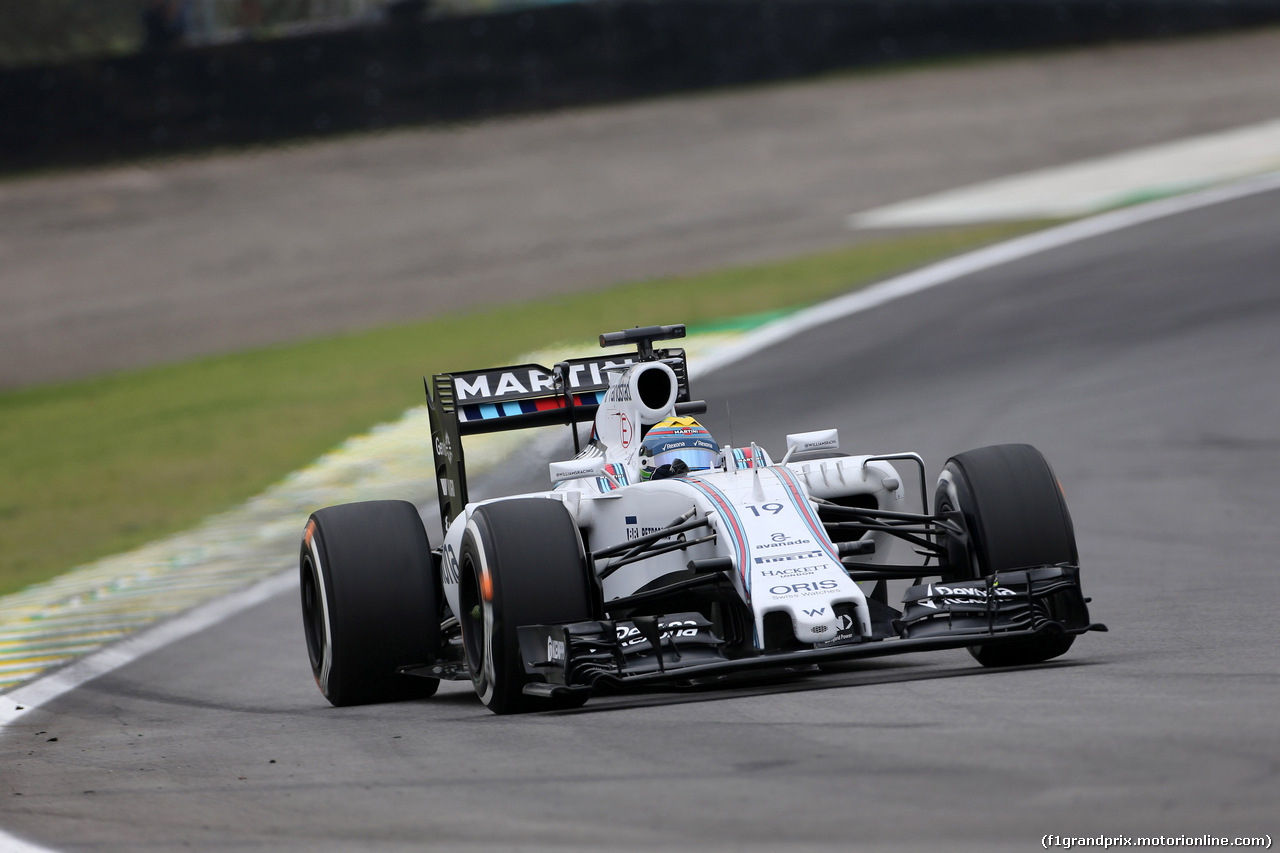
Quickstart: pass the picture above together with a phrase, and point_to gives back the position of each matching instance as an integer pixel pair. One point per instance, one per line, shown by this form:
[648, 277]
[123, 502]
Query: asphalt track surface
[1144, 363]
[127, 267]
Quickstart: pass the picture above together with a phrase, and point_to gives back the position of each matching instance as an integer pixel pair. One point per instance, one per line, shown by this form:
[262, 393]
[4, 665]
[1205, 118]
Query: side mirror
[823, 439]
[576, 469]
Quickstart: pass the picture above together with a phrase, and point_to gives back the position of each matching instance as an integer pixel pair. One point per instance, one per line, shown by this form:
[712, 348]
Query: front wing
[679, 648]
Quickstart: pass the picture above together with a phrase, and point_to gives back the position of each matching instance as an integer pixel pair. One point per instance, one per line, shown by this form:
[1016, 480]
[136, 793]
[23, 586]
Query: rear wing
[529, 395]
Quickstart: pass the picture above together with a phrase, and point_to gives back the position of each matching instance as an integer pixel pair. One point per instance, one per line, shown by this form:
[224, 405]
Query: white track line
[1096, 185]
[976, 261]
[32, 696]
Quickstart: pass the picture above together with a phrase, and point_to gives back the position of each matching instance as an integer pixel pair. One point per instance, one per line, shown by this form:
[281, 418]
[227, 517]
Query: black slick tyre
[1015, 516]
[369, 602]
[521, 563]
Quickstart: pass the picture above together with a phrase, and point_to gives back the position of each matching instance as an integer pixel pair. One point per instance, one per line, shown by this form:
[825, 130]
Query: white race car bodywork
[760, 513]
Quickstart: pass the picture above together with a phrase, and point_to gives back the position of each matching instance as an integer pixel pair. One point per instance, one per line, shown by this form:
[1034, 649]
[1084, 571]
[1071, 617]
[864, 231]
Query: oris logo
[810, 588]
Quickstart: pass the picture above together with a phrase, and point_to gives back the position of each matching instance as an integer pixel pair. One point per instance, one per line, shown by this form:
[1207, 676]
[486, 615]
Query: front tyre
[521, 563]
[1015, 516]
[369, 601]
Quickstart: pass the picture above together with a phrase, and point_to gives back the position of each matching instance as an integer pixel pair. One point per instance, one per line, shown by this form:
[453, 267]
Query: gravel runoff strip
[50, 624]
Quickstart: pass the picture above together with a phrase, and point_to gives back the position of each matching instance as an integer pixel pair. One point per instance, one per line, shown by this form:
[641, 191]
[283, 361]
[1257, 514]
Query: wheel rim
[962, 562]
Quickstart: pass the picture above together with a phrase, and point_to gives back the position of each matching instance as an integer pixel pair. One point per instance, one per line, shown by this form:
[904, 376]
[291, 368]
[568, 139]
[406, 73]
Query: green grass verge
[98, 466]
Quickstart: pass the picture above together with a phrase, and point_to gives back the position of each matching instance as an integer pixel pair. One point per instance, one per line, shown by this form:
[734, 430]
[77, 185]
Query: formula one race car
[658, 557]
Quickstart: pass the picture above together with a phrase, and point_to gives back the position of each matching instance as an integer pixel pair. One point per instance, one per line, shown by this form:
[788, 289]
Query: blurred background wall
[51, 31]
[92, 81]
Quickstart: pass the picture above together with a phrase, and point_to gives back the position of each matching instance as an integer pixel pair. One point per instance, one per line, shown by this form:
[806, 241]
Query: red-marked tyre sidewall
[369, 601]
[521, 563]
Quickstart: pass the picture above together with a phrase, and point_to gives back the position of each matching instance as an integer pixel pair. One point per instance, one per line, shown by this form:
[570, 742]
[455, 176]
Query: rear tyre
[369, 602]
[521, 563]
[1016, 517]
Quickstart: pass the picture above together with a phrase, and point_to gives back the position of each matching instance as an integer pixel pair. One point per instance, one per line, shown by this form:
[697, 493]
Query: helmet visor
[697, 458]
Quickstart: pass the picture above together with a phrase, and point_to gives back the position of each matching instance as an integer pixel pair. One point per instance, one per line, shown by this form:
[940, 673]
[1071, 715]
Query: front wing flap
[1001, 604]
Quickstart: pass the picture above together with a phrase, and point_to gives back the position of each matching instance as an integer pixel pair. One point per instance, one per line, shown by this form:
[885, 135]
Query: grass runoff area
[102, 465]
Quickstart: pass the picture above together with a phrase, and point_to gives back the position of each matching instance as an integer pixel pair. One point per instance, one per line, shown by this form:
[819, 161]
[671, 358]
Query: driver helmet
[674, 447]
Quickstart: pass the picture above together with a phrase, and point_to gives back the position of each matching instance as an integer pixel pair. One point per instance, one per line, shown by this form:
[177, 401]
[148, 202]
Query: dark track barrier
[452, 69]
